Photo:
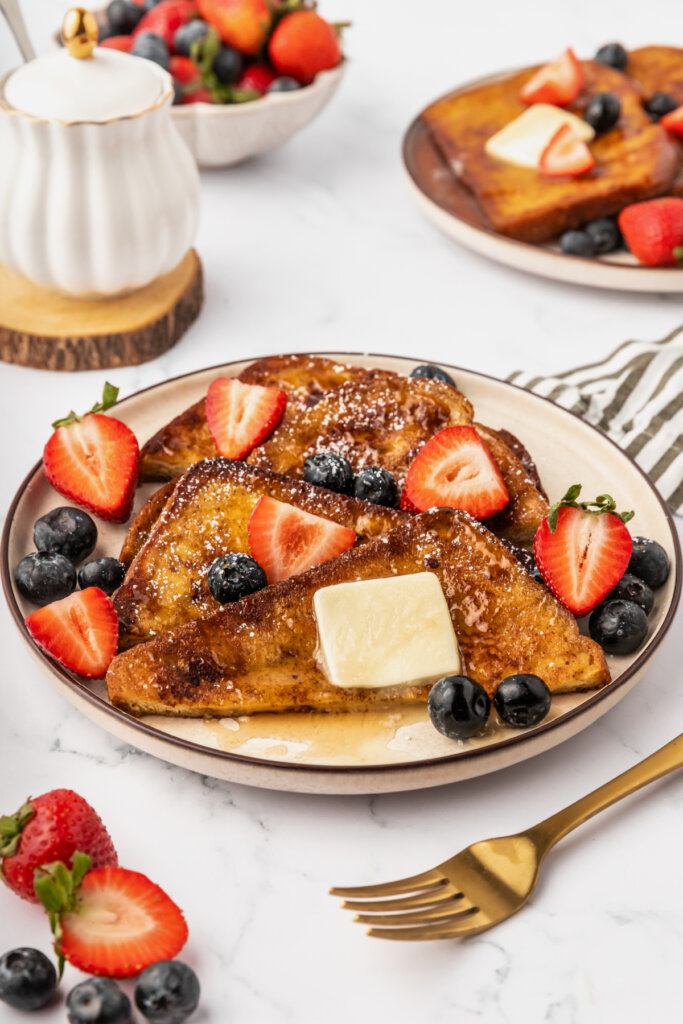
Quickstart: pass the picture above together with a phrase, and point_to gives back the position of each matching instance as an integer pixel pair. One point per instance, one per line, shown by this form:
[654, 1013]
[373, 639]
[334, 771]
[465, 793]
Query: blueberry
[605, 235]
[167, 992]
[105, 573]
[630, 588]
[659, 104]
[376, 485]
[43, 578]
[285, 83]
[602, 111]
[188, 34]
[522, 700]
[614, 55]
[429, 372]
[234, 576]
[65, 531]
[577, 243]
[458, 707]
[228, 65]
[618, 626]
[98, 1001]
[123, 16]
[328, 469]
[27, 978]
[152, 47]
[649, 562]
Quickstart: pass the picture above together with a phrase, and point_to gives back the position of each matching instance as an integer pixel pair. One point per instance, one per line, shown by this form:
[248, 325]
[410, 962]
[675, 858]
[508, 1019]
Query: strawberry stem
[678, 253]
[603, 503]
[109, 396]
[11, 827]
[57, 889]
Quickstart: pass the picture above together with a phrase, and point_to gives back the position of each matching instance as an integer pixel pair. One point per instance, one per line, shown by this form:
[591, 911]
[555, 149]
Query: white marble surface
[318, 247]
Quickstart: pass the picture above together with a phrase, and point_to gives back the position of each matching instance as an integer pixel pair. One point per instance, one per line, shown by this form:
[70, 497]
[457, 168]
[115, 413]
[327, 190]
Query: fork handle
[666, 759]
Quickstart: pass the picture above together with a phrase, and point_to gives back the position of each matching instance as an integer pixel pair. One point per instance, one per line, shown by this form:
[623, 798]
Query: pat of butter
[523, 140]
[386, 632]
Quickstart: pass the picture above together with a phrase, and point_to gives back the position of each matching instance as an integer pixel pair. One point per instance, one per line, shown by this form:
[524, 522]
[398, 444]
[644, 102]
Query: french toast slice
[522, 516]
[635, 160]
[206, 516]
[657, 69]
[143, 523]
[382, 422]
[187, 439]
[260, 654]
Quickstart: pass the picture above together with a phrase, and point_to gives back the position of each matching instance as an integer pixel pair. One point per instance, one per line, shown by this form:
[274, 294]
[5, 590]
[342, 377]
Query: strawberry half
[80, 631]
[48, 828]
[673, 122]
[240, 416]
[583, 550]
[109, 921]
[566, 155]
[93, 460]
[653, 231]
[455, 470]
[286, 540]
[558, 82]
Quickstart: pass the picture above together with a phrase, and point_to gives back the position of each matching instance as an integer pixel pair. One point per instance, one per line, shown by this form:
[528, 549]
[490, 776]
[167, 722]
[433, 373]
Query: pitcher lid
[85, 82]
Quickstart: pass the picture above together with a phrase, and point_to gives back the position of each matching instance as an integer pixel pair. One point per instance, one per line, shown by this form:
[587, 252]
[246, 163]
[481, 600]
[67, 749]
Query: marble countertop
[319, 247]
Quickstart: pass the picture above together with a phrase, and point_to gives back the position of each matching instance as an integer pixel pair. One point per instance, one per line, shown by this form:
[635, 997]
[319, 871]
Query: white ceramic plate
[450, 207]
[379, 751]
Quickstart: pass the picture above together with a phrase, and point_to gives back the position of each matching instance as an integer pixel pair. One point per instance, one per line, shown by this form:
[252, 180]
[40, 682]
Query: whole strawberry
[303, 44]
[93, 460]
[653, 231]
[243, 24]
[165, 18]
[48, 828]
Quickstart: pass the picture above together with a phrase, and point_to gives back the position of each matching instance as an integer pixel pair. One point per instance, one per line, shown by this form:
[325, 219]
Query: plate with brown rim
[449, 205]
[372, 752]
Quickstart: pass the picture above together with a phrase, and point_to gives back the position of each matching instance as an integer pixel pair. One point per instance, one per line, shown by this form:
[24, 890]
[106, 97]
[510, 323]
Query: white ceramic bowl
[221, 135]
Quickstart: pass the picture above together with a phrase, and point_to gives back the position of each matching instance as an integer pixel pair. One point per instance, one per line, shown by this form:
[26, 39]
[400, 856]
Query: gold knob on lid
[79, 32]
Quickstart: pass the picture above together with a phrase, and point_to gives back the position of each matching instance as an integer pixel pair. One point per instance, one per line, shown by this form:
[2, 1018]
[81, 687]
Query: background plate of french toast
[455, 154]
[236, 690]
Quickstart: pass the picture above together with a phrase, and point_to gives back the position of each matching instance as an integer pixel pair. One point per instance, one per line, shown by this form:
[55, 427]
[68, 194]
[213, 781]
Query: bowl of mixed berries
[248, 74]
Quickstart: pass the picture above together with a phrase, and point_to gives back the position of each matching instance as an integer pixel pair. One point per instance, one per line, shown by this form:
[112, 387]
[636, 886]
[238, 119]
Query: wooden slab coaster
[49, 331]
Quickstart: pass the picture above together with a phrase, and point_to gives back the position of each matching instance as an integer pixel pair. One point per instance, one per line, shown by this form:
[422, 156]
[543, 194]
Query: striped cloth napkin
[635, 396]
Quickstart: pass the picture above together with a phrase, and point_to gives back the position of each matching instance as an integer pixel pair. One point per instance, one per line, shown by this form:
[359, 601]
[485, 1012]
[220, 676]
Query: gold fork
[491, 880]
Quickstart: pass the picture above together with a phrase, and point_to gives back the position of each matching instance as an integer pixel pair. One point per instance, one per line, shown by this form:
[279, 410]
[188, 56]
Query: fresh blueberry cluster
[64, 537]
[459, 707]
[165, 993]
[331, 470]
[619, 623]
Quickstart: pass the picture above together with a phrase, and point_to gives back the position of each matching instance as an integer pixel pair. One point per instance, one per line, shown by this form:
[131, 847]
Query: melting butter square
[385, 632]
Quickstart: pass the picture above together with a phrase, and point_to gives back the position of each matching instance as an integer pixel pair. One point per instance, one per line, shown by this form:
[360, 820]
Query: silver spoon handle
[15, 20]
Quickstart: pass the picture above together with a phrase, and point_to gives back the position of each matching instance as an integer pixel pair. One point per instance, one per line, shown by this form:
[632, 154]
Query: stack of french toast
[633, 156]
[183, 652]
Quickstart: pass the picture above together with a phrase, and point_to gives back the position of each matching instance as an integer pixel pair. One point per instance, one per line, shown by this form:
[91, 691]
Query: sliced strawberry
[80, 631]
[558, 82]
[566, 155]
[455, 470]
[286, 541]
[122, 43]
[582, 550]
[673, 122]
[93, 460]
[240, 416]
[109, 921]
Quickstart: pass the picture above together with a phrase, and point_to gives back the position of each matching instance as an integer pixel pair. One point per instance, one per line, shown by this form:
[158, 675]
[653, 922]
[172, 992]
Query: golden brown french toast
[141, 527]
[206, 516]
[381, 422]
[635, 160]
[657, 69]
[259, 655]
[522, 516]
[187, 439]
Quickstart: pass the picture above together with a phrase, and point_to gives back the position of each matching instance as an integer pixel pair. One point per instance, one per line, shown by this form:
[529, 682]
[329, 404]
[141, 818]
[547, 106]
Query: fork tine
[414, 883]
[448, 930]
[444, 894]
[451, 910]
